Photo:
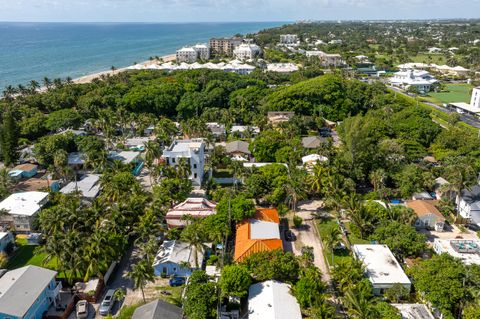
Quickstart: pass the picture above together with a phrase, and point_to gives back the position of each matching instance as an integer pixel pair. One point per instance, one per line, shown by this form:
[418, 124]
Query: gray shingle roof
[158, 309]
[471, 195]
[21, 287]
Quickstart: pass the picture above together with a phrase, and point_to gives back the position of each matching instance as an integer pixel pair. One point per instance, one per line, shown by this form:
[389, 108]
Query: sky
[232, 10]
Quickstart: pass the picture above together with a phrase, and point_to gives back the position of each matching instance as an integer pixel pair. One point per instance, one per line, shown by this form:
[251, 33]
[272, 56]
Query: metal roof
[20, 288]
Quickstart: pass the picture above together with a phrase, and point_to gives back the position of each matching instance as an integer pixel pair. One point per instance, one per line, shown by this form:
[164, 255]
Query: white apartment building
[192, 54]
[288, 38]
[422, 80]
[468, 204]
[188, 55]
[326, 59]
[247, 51]
[193, 151]
[203, 51]
[382, 269]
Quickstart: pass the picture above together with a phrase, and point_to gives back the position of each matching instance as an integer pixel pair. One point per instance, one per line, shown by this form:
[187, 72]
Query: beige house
[428, 216]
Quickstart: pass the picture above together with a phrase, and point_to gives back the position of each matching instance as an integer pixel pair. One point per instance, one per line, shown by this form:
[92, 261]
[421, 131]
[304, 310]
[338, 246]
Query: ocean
[32, 51]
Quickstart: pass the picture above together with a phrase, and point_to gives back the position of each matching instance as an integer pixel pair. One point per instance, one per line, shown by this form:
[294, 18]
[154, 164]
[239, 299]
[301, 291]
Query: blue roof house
[28, 292]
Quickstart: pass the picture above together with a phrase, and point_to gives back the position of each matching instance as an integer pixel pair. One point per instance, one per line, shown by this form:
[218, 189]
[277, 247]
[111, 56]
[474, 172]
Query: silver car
[107, 303]
[82, 309]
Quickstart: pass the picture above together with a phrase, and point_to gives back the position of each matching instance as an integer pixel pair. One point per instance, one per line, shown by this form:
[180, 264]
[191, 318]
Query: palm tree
[331, 239]
[9, 92]
[377, 178]
[34, 86]
[294, 187]
[193, 234]
[359, 306]
[47, 83]
[141, 274]
[183, 168]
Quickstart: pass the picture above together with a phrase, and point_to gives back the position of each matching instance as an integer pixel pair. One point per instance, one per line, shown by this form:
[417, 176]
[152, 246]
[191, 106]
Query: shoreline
[90, 77]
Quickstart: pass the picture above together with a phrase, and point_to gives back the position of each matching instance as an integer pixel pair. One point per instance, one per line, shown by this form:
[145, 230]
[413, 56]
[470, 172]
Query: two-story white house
[193, 151]
[22, 209]
[28, 292]
[468, 204]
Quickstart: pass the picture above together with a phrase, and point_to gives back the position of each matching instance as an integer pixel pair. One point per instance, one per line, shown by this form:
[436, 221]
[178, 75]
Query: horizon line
[250, 21]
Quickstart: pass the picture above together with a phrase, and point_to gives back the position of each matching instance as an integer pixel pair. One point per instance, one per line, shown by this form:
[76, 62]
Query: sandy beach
[91, 77]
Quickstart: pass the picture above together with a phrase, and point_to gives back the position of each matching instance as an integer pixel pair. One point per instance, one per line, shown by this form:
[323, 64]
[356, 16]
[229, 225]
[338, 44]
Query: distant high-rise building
[288, 38]
[224, 46]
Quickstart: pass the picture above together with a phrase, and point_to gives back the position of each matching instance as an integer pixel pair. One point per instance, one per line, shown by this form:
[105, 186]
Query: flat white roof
[264, 230]
[272, 300]
[3, 235]
[381, 265]
[444, 246]
[26, 203]
[466, 107]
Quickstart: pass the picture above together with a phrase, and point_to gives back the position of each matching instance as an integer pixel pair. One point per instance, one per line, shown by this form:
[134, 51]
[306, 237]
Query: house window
[173, 160]
[194, 166]
[195, 175]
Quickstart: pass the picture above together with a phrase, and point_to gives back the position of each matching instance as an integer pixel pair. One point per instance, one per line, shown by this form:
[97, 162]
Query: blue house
[23, 171]
[28, 292]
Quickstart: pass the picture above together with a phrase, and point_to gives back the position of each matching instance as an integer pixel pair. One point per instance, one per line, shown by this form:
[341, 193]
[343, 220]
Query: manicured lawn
[28, 255]
[430, 58]
[456, 93]
[175, 296]
[339, 255]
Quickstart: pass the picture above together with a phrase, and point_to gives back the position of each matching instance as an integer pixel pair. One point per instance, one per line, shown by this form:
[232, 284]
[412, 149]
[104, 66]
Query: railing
[54, 293]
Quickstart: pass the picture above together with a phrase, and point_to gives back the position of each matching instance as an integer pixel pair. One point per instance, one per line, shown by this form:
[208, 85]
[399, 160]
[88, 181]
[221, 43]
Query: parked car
[82, 309]
[473, 227]
[289, 235]
[176, 281]
[107, 303]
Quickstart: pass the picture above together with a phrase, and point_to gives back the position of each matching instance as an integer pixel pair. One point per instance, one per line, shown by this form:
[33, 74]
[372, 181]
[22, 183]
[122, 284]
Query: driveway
[307, 235]
[451, 232]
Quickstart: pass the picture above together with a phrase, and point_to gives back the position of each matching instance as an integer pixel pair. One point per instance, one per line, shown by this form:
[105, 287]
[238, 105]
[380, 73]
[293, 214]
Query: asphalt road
[468, 119]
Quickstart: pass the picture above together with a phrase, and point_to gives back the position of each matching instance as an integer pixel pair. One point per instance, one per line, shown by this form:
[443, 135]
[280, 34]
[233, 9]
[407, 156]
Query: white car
[82, 309]
[107, 303]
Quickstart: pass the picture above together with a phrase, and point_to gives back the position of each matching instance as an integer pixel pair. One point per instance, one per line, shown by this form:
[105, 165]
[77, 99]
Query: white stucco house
[22, 209]
[176, 258]
[422, 80]
[382, 269]
[191, 150]
[468, 204]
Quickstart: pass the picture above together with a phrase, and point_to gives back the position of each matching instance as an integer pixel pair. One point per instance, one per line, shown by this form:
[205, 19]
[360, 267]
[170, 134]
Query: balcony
[54, 292]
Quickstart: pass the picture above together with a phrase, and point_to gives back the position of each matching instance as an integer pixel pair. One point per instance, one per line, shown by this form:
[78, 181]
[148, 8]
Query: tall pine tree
[8, 138]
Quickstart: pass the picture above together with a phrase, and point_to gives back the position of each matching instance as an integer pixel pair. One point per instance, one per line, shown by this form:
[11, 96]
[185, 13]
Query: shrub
[297, 221]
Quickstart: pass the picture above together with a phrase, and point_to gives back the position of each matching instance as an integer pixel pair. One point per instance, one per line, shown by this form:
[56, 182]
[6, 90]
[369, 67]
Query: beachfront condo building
[193, 54]
[224, 46]
[288, 38]
[247, 51]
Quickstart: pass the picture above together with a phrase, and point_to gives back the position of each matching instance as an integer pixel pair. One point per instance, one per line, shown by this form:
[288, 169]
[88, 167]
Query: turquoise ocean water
[31, 51]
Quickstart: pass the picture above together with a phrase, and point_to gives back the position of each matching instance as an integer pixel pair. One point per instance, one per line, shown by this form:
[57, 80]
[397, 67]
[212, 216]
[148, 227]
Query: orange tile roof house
[428, 216]
[258, 234]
